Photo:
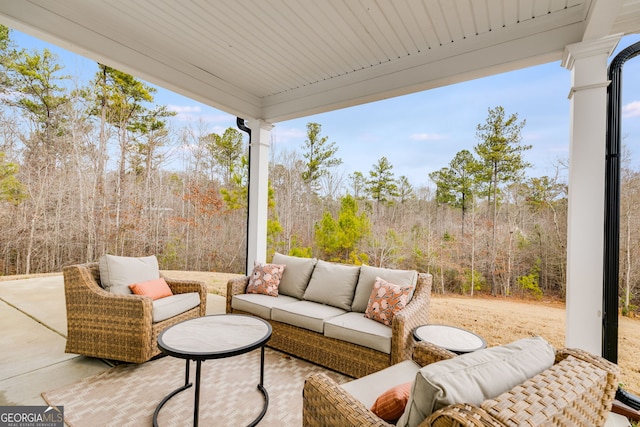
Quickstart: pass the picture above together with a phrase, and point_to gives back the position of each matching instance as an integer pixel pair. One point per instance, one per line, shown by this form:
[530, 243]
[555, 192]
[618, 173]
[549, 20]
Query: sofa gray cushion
[260, 304]
[475, 377]
[305, 314]
[167, 307]
[368, 388]
[118, 272]
[368, 275]
[353, 327]
[332, 284]
[296, 274]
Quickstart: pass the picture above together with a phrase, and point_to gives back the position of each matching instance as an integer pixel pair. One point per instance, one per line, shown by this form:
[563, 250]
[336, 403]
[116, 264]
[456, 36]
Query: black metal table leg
[186, 385]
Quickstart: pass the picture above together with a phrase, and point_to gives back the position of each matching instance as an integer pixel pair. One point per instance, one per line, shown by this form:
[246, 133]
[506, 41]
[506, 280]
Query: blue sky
[422, 132]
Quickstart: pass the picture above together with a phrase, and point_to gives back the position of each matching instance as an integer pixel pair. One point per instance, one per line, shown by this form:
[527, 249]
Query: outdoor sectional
[318, 314]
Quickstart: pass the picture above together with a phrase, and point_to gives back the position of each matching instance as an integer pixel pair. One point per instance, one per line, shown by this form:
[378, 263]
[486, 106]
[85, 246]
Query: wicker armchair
[117, 327]
[567, 394]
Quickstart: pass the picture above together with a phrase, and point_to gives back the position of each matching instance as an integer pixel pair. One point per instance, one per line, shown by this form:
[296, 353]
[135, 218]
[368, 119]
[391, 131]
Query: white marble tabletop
[215, 335]
[450, 337]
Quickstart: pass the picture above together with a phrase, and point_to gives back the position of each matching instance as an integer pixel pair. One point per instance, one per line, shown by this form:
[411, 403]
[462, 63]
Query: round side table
[452, 338]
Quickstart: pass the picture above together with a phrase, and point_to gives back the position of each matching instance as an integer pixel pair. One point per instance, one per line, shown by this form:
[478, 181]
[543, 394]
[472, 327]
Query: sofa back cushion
[118, 272]
[332, 284]
[475, 377]
[296, 274]
[368, 277]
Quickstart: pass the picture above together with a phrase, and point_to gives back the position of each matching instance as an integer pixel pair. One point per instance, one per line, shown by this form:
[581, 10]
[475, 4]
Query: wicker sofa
[577, 390]
[337, 351]
[117, 327]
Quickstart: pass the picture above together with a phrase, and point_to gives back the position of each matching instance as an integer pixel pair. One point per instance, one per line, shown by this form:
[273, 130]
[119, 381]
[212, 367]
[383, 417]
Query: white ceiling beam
[414, 74]
[600, 18]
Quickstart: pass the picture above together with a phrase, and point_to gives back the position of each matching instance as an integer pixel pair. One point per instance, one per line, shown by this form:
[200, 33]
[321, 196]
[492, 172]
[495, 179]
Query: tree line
[90, 168]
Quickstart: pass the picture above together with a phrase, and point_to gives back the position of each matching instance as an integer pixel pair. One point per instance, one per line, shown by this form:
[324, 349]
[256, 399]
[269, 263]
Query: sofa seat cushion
[167, 307]
[305, 314]
[475, 377]
[355, 328]
[368, 388]
[333, 284]
[296, 274]
[260, 304]
[368, 276]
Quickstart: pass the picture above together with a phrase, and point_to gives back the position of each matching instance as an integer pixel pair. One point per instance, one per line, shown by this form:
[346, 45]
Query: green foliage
[11, 189]
[338, 238]
[447, 237]
[226, 152]
[529, 283]
[479, 280]
[628, 310]
[455, 183]
[301, 252]
[382, 185]
[319, 155]
[500, 151]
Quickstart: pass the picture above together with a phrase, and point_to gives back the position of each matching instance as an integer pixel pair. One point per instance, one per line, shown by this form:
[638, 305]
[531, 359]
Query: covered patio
[269, 61]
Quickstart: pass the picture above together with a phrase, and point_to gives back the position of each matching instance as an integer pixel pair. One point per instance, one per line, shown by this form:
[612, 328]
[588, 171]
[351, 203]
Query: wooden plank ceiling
[279, 59]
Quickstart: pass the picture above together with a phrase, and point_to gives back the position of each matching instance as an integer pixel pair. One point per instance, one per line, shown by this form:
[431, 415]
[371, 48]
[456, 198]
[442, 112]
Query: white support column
[258, 192]
[585, 224]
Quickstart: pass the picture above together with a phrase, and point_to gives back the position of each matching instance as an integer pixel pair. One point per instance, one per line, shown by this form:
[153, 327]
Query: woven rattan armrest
[186, 286]
[236, 286]
[416, 313]
[327, 404]
[425, 353]
[459, 415]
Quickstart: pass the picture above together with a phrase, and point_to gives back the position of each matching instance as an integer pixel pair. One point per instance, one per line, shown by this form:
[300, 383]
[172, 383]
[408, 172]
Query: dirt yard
[498, 320]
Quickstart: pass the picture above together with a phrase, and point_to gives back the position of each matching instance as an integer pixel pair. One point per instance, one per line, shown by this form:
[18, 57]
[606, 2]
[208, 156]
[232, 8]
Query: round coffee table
[452, 338]
[214, 337]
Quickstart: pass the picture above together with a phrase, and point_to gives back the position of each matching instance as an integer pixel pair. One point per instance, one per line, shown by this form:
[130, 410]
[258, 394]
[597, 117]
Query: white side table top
[215, 336]
[451, 338]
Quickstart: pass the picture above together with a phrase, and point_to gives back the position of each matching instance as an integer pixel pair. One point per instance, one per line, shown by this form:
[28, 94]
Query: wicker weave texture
[347, 358]
[117, 327]
[577, 391]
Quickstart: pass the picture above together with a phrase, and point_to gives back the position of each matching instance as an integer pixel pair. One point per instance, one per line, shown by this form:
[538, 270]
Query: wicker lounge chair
[570, 393]
[117, 327]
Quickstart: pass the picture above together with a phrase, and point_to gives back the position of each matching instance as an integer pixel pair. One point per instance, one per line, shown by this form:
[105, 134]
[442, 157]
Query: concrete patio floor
[32, 337]
[33, 333]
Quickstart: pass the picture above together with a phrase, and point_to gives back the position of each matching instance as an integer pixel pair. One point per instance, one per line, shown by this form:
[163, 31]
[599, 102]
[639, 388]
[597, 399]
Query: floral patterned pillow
[386, 300]
[265, 279]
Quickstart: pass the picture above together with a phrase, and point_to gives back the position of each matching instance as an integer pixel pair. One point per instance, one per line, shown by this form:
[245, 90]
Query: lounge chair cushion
[165, 308]
[333, 284]
[475, 377]
[305, 314]
[368, 275]
[296, 274]
[368, 388]
[118, 272]
[355, 328]
[258, 304]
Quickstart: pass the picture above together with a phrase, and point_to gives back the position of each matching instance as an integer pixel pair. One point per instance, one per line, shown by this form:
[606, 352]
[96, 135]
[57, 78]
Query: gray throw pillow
[475, 377]
[118, 272]
[368, 277]
[296, 274]
[332, 284]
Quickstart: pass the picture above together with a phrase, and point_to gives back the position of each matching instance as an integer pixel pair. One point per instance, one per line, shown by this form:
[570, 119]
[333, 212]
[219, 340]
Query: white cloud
[427, 137]
[196, 113]
[632, 109]
[184, 109]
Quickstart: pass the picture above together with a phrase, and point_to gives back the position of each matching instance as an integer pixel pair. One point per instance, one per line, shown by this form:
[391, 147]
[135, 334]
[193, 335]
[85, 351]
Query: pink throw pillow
[386, 300]
[265, 279]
